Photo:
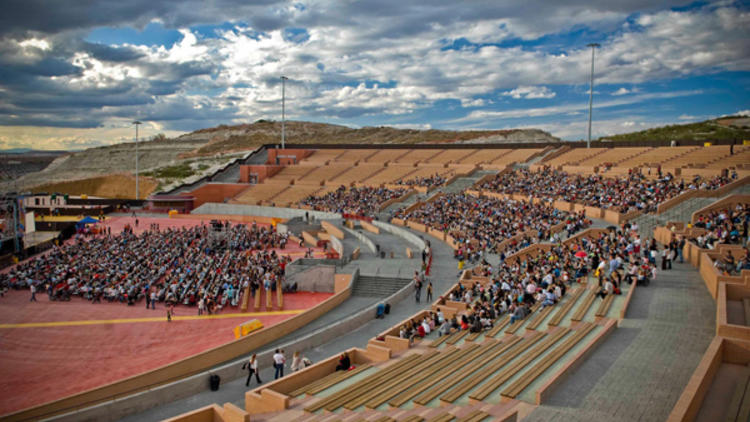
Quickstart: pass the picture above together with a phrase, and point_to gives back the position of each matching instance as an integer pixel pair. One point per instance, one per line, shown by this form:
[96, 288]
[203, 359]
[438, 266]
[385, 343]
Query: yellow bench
[435, 378]
[584, 308]
[508, 373]
[343, 395]
[364, 395]
[535, 371]
[605, 305]
[560, 314]
[456, 358]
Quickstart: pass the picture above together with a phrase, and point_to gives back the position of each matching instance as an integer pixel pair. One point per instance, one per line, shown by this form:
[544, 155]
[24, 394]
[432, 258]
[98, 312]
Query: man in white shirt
[278, 364]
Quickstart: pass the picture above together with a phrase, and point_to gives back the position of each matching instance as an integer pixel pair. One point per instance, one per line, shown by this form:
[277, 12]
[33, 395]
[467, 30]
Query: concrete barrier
[724, 327]
[332, 230]
[689, 403]
[309, 239]
[369, 227]
[261, 211]
[362, 239]
[402, 233]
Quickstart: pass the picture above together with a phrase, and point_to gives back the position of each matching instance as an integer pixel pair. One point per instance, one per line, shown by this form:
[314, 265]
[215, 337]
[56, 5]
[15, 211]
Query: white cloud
[686, 117]
[623, 91]
[530, 92]
[572, 108]
[419, 126]
[377, 59]
[743, 113]
[577, 130]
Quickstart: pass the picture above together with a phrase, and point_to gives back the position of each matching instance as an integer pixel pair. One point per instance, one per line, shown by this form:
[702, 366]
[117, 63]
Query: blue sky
[74, 75]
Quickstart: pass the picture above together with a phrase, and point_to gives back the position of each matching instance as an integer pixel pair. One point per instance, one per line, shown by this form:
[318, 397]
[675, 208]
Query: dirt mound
[121, 186]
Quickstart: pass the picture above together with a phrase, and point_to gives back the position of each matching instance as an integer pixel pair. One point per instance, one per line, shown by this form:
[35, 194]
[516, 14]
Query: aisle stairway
[378, 286]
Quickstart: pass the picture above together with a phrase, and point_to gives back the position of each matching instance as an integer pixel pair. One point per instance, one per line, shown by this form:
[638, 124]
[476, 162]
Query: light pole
[591, 90]
[136, 123]
[283, 98]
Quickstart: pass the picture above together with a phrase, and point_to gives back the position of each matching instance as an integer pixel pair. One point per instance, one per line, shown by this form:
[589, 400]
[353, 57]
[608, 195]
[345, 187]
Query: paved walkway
[640, 370]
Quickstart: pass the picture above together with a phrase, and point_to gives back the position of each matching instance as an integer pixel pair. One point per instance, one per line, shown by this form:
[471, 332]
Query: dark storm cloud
[20, 17]
[112, 54]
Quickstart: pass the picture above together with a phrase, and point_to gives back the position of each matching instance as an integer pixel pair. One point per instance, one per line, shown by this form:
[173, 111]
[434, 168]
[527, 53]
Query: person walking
[33, 293]
[278, 364]
[148, 299]
[418, 289]
[252, 368]
[153, 300]
[296, 362]
[429, 291]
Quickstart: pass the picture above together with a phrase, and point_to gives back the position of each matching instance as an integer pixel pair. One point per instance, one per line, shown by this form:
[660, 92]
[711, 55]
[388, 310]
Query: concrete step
[378, 286]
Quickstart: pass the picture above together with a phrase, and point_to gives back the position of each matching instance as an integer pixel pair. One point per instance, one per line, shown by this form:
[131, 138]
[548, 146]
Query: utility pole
[283, 117]
[136, 123]
[591, 90]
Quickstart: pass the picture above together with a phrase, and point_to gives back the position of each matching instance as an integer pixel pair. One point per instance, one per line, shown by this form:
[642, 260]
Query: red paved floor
[41, 364]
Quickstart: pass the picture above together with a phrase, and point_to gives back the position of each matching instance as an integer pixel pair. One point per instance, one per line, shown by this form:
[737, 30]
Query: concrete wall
[408, 236]
[260, 211]
[261, 172]
[216, 192]
[362, 239]
[311, 279]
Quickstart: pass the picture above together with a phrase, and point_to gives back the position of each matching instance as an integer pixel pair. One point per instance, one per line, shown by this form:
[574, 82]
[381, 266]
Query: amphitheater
[675, 350]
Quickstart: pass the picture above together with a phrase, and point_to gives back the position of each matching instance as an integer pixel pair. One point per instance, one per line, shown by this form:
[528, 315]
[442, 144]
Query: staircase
[682, 212]
[378, 286]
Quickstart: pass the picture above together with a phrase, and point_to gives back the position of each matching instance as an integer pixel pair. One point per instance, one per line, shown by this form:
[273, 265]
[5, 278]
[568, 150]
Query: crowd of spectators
[428, 182]
[728, 226]
[363, 201]
[481, 223]
[186, 265]
[543, 279]
[623, 194]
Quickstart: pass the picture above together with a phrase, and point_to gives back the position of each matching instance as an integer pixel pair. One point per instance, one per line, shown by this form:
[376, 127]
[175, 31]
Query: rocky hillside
[192, 155]
[244, 137]
[724, 128]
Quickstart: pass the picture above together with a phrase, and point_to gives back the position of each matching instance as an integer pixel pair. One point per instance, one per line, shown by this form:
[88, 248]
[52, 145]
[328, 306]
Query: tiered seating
[575, 156]
[328, 381]
[584, 307]
[324, 173]
[390, 174]
[740, 159]
[321, 156]
[655, 156]
[481, 156]
[699, 157]
[418, 155]
[354, 155]
[261, 192]
[611, 155]
[386, 155]
[293, 172]
[428, 171]
[514, 156]
[500, 378]
[295, 193]
[357, 174]
[515, 388]
[451, 156]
